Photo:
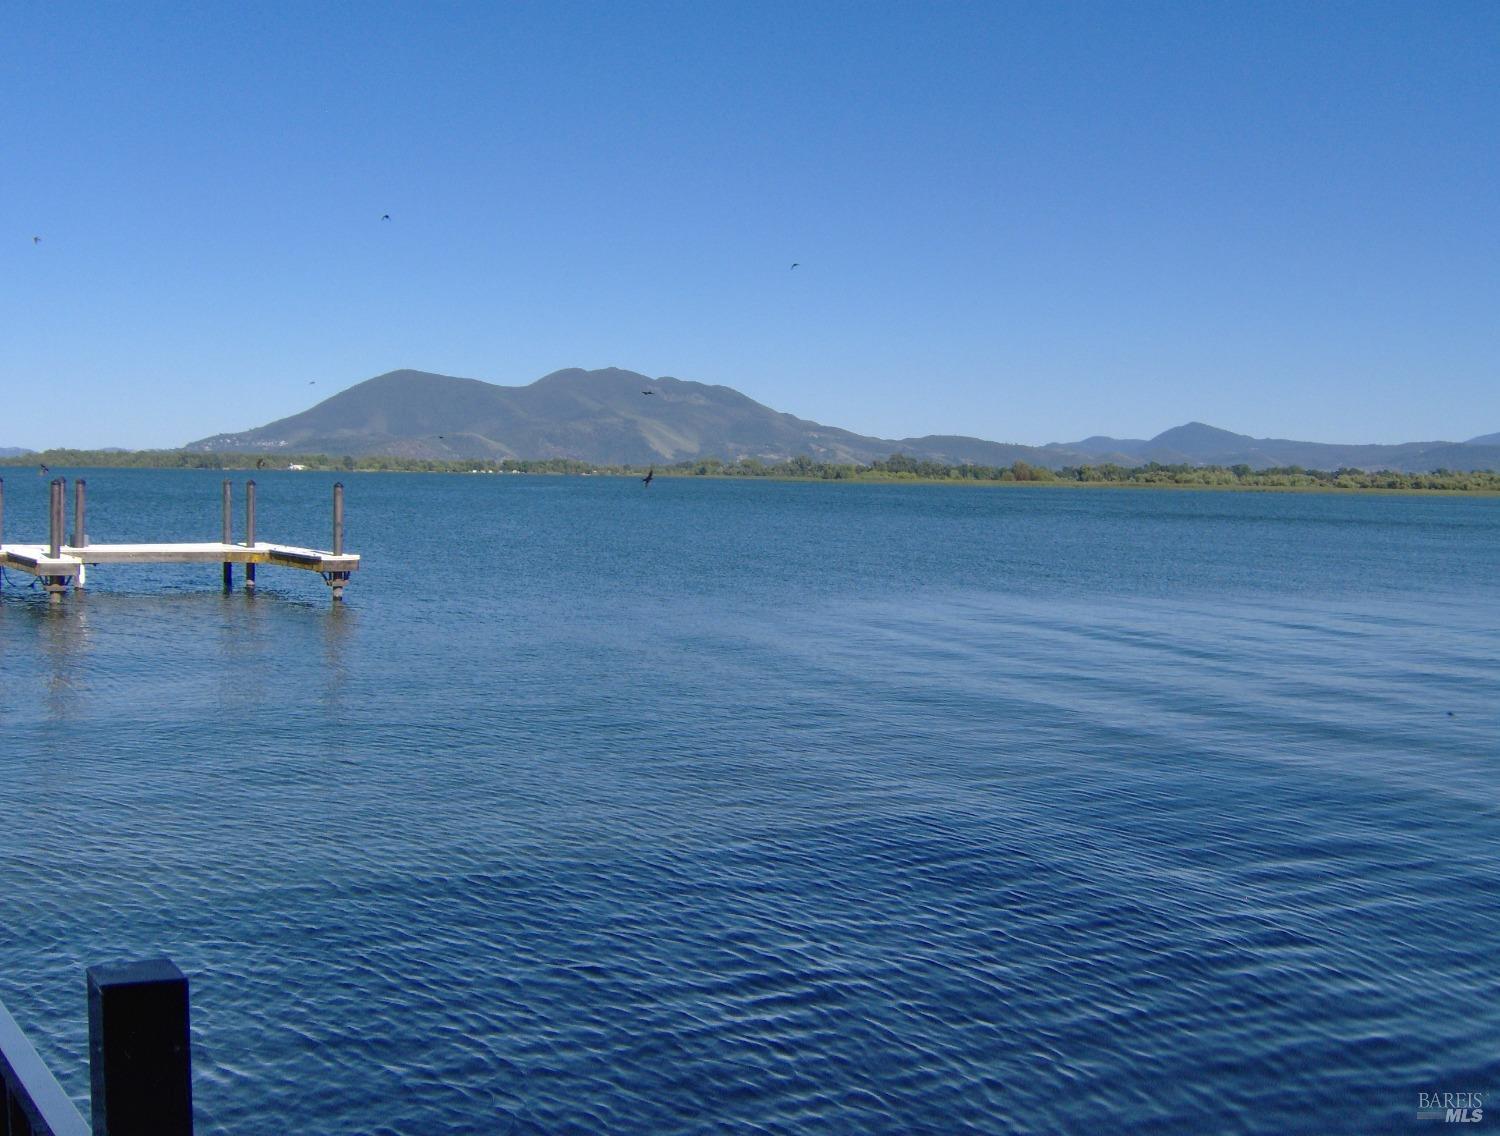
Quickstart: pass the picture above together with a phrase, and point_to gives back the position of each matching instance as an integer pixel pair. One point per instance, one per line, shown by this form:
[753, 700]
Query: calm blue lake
[748, 807]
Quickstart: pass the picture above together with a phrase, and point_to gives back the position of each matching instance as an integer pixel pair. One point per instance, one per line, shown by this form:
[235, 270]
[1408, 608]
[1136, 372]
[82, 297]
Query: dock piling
[337, 580]
[55, 519]
[338, 518]
[228, 533]
[56, 585]
[250, 532]
[80, 531]
[2, 512]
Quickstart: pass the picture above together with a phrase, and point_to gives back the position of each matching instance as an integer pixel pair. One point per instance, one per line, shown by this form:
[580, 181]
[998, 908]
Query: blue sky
[1027, 222]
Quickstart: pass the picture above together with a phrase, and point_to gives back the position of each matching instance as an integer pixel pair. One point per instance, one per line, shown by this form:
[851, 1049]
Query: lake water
[751, 807]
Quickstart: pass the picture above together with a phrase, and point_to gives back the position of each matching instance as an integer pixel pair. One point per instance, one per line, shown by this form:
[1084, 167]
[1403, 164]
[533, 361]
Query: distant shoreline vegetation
[896, 468]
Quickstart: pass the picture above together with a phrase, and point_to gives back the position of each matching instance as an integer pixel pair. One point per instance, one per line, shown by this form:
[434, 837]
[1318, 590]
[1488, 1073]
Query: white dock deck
[37, 559]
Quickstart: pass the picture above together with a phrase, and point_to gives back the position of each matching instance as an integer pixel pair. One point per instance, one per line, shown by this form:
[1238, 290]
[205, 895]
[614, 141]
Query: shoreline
[1047, 480]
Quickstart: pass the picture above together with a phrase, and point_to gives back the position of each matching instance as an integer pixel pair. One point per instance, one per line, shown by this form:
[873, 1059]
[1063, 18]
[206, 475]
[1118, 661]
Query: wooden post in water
[250, 532]
[140, 1062]
[338, 579]
[55, 585]
[55, 520]
[80, 530]
[2, 512]
[228, 533]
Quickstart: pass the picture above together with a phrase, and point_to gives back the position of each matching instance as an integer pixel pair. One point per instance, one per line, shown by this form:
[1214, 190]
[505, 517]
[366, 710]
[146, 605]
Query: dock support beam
[250, 532]
[140, 1063]
[228, 533]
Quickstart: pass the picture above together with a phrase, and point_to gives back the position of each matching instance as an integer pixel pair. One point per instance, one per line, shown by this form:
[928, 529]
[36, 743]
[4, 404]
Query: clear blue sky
[1028, 222]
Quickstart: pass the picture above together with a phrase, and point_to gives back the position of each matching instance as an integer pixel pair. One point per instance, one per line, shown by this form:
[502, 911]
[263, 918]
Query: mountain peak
[1197, 435]
[572, 376]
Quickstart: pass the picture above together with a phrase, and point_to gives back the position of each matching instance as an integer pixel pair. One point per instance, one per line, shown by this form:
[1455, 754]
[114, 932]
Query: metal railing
[140, 1065]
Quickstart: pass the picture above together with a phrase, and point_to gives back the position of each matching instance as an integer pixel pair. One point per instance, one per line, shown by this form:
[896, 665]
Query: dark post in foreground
[250, 531]
[2, 512]
[228, 534]
[140, 1063]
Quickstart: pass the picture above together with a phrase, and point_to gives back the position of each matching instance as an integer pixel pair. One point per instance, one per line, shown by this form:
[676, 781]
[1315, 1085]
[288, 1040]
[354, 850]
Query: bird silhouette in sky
[648, 392]
[650, 473]
[36, 240]
[385, 217]
[794, 265]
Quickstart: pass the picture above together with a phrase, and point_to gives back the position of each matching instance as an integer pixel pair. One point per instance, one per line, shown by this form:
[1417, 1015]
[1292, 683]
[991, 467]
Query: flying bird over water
[650, 473]
[42, 471]
[260, 463]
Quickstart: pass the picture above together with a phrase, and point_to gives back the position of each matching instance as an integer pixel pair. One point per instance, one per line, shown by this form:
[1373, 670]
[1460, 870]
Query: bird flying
[794, 265]
[36, 240]
[648, 392]
[42, 471]
[650, 473]
[260, 463]
[385, 217]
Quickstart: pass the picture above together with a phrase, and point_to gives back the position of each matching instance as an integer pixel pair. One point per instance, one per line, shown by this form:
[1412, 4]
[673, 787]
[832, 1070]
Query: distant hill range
[618, 417]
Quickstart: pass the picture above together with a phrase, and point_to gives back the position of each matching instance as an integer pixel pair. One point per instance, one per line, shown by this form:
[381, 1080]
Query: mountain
[14, 452]
[606, 416]
[1198, 444]
[600, 416]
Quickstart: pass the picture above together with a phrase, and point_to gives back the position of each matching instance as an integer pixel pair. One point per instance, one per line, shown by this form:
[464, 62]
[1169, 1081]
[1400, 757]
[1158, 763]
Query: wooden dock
[60, 565]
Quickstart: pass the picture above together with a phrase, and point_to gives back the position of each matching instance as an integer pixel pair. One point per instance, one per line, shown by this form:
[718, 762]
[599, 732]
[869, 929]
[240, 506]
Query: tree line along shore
[896, 468]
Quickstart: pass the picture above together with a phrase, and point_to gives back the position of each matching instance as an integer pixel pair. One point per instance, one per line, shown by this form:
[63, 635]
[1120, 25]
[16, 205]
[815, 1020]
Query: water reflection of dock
[59, 564]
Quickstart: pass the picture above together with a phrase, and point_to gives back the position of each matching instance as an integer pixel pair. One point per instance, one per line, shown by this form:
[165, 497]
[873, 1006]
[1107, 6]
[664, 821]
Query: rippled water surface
[772, 808]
